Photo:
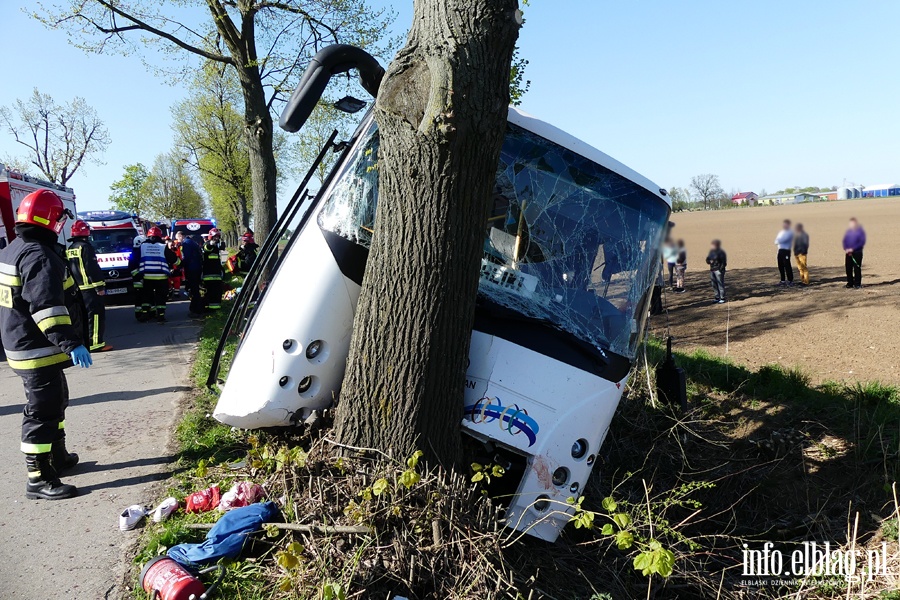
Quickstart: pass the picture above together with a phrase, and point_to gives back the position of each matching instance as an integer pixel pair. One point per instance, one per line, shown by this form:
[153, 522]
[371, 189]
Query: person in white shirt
[784, 241]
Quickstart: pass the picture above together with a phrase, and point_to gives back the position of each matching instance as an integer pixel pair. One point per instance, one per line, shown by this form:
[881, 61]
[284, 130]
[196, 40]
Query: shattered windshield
[568, 242]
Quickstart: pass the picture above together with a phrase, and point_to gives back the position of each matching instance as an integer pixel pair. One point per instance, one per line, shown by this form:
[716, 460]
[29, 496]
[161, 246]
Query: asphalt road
[119, 422]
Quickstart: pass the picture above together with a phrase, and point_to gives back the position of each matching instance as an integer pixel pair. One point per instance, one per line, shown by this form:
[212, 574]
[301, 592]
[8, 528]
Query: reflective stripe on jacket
[41, 312]
[84, 266]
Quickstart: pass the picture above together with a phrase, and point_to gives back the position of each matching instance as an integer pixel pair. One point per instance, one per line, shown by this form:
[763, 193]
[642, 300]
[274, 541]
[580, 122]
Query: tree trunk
[442, 111]
[262, 162]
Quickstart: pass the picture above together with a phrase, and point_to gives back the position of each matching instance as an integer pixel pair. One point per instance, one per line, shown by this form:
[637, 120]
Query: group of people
[52, 315]
[791, 239]
[674, 256]
[797, 239]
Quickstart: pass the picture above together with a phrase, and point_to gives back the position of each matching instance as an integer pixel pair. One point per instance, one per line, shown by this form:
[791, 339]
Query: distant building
[776, 199]
[748, 198]
[828, 196]
[881, 190]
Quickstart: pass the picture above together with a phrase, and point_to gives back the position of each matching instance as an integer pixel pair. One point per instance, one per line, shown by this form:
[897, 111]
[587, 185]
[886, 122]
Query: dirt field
[831, 332]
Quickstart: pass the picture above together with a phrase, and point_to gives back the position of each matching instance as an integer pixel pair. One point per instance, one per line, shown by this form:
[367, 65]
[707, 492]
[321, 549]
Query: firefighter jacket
[84, 266]
[212, 261]
[42, 315]
[152, 260]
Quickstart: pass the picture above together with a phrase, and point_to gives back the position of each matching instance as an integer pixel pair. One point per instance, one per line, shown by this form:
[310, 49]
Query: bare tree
[60, 138]
[441, 111]
[266, 42]
[706, 188]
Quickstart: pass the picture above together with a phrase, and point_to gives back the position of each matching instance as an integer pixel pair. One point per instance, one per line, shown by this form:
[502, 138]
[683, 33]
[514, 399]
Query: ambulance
[113, 233]
[14, 186]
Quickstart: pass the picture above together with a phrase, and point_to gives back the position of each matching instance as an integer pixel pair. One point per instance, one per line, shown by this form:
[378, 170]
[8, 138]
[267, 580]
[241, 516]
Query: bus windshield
[568, 242]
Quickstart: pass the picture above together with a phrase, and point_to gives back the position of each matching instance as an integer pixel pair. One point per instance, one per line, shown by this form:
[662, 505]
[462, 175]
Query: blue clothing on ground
[226, 538]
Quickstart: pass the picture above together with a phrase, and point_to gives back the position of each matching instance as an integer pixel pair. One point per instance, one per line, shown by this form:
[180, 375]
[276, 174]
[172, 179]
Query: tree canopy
[170, 190]
[60, 138]
[128, 193]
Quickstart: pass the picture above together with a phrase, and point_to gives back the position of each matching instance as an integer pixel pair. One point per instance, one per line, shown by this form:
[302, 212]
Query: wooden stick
[326, 529]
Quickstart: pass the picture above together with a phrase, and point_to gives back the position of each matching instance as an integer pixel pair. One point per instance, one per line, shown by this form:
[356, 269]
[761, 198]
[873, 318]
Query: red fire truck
[14, 186]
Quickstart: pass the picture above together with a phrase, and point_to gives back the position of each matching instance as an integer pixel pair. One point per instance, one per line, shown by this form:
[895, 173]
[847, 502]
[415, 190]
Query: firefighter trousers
[46, 400]
[155, 293]
[138, 299]
[213, 293]
[96, 310]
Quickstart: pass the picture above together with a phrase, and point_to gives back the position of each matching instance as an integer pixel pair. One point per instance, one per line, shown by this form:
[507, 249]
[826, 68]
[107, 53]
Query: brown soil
[832, 333]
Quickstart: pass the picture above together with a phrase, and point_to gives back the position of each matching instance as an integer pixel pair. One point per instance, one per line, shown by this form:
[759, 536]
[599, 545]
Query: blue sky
[766, 94]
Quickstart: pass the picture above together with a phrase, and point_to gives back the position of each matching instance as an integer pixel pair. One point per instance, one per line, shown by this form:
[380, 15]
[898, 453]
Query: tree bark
[442, 111]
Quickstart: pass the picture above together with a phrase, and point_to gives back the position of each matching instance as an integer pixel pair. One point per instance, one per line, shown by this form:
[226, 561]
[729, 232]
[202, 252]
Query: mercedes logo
[113, 274]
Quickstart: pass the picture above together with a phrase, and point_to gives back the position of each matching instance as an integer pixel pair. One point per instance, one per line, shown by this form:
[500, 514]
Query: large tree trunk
[262, 164]
[442, 111]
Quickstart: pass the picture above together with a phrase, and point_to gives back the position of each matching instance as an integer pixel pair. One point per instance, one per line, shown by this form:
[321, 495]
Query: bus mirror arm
[328, 62]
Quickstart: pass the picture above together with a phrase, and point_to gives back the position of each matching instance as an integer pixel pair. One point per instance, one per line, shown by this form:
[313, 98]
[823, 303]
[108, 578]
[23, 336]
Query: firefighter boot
[43, 481]
[62, 459]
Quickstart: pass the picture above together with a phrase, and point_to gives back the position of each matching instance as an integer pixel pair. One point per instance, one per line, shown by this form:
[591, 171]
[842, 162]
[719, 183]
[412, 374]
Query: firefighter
[246, 253]
[212, 269]
[154, 266]
[42, 326]
[136, 280]
[89, 277]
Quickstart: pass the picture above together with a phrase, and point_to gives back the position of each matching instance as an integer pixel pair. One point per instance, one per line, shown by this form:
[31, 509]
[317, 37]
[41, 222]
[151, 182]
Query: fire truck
[113, 233]
[14, 186]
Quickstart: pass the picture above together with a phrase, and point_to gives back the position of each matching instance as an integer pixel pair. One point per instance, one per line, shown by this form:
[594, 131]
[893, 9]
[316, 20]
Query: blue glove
[81, 357]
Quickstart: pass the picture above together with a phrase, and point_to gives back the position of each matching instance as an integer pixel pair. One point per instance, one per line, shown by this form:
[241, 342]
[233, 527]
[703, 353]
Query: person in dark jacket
[42, 329]
[246, 253]
[155, 264]
[717, 261]
[854, 242]
[89, 278]
[801, 249]
[212, 269]
[192, 267]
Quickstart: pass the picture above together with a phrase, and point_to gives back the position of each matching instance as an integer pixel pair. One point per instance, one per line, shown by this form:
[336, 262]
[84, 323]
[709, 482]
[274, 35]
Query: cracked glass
[568, 242]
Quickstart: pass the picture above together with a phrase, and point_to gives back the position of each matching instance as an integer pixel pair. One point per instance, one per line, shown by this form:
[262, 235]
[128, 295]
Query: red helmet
[214, 233]
[80, 229]
[247, 238]
[154, 232]
[44, 209]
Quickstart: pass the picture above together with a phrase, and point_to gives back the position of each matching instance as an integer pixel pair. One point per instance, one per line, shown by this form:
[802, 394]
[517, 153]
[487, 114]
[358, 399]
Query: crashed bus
[571, 252]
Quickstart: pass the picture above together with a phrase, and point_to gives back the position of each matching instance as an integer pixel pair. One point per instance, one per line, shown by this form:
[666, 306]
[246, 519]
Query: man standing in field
[784, 241]
[801, 249]
[854, 241]
[717, 261]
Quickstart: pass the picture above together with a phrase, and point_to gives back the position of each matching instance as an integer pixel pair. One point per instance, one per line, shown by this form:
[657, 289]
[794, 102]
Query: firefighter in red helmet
[212, 269]
[89, 278]
[42, 326]
[154, 266]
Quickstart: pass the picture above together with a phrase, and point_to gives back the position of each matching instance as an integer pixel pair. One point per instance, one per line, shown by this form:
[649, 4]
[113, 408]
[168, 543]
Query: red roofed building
[748, 198]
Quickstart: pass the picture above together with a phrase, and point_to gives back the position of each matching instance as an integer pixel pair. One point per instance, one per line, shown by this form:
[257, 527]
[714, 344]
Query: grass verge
[761, 455]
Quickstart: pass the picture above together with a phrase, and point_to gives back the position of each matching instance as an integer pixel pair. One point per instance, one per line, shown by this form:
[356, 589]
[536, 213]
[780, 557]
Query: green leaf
[271, 530]
[609, 504]
[584, 519]
[409, 478]
[288, 561]
[622, 520]
[624, 540]
[607, 529]
[202, 468]
[413, 460]
[296, 548]
[642, 562]
[285, 585]
[476, 467]
[477, 476]
[380, 486]
[498, 471]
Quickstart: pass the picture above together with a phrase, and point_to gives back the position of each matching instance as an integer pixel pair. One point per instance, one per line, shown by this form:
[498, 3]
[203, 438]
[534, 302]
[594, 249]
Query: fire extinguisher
[165, 579]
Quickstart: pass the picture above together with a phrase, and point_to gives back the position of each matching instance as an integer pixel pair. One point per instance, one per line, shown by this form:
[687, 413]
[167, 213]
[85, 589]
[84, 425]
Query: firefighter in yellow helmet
[42, 326]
